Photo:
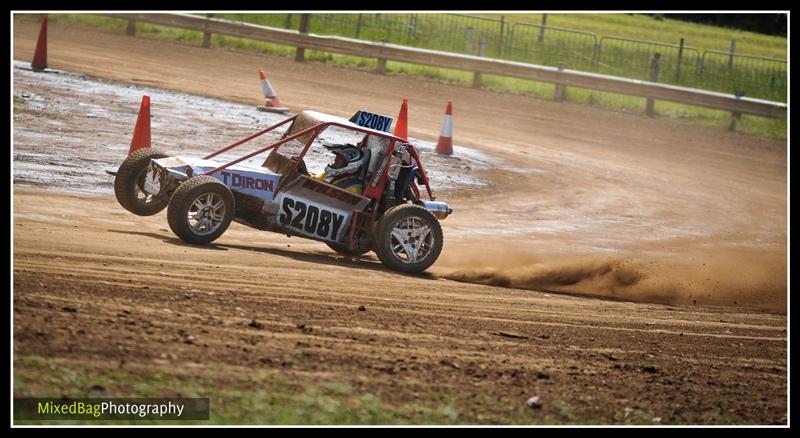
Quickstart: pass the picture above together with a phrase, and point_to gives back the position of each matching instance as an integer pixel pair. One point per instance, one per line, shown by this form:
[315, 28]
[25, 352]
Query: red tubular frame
[264, 149]
[317, 129]
[258, 134]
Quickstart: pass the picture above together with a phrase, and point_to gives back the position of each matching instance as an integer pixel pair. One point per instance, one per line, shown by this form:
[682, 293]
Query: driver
[345, 172]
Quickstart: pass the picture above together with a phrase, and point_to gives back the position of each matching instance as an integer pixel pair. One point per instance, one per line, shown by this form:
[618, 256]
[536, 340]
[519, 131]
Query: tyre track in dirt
[254, 289]
[249, 301]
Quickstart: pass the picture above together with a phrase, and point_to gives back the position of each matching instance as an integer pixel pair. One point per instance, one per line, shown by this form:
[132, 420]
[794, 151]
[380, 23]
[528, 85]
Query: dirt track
[619, 205]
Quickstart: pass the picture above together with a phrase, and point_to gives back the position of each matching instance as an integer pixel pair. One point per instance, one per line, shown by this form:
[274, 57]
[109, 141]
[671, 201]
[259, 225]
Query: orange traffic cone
[40, 55]
[141, 133]
[401, 128]
[445, 143]
[272, 102]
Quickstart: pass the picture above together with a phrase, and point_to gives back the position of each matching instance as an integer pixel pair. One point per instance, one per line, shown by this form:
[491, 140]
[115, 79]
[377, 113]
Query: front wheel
[129, 183]
[200, 210]
[409, 239]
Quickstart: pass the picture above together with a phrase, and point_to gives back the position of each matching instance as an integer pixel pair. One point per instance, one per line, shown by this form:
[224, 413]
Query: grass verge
[237, 397]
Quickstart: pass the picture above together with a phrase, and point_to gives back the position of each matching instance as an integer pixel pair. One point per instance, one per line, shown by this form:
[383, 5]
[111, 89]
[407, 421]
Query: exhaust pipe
[439, 209]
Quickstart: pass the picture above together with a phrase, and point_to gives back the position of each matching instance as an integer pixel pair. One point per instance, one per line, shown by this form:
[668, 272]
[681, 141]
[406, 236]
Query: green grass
[663, 30]
[620, 24]
[252, 395]
[602, 24]
[239, 397]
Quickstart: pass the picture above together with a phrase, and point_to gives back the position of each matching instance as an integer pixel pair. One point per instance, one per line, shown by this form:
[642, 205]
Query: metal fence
[447, 32]
[752, 76]
[552, 46]
[399, 28]
[631, 58]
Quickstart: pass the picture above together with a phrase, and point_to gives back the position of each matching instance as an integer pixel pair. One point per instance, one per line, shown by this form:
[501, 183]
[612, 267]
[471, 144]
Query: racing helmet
[349, 160]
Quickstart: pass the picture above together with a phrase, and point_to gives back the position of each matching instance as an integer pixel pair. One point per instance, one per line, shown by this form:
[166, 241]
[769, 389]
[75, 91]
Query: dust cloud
[739, 278]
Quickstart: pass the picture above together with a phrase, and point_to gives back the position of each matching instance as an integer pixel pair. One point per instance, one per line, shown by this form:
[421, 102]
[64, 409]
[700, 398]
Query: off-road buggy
[203, 196]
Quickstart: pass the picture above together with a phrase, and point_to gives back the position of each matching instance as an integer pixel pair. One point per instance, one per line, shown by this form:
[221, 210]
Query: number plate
[311, 218]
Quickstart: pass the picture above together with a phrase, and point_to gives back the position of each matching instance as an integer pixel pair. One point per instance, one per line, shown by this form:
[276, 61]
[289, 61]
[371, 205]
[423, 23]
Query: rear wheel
[129, 183]
[409, 239]
[200, 210]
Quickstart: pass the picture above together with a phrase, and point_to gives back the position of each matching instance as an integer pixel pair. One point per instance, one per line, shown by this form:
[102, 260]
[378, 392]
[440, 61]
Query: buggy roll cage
[372, 190]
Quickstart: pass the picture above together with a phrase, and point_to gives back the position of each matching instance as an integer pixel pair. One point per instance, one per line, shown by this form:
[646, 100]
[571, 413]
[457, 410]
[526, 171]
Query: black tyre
[200, 210]
[129, 183]
[343, 250]
[409, 239]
